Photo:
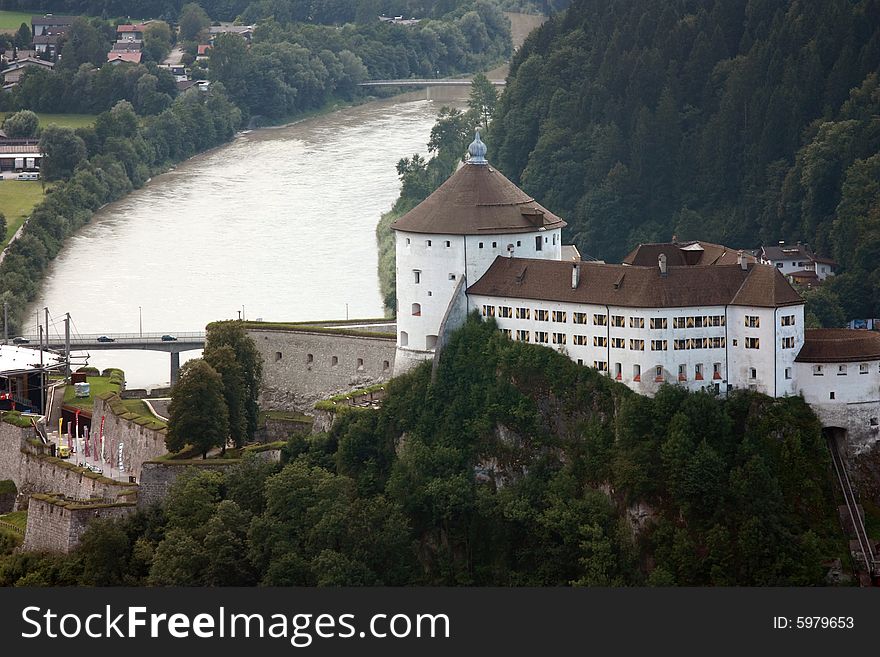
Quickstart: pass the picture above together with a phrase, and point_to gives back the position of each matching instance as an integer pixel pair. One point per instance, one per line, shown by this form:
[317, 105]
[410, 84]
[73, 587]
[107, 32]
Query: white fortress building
[717, 319]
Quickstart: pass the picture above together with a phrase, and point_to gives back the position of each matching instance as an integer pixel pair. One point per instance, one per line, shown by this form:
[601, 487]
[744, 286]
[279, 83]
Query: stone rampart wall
[301, 367]
[139, 443]
[55, 526]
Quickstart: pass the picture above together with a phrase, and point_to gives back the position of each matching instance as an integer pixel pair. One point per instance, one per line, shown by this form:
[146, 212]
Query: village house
[798, 262]
[13, 73]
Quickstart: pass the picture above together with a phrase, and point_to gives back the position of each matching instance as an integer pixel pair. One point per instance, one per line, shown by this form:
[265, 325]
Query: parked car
[168, 338]
[20, 340]
[105, 338]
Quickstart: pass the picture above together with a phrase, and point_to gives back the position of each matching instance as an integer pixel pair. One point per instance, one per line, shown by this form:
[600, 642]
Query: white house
[718, 326]
[797, 261]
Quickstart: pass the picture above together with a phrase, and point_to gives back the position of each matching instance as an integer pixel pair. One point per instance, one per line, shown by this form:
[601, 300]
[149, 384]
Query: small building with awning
[20, 154]
[23, 374]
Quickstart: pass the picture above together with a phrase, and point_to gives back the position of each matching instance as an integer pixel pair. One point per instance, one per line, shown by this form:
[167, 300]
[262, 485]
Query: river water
[279, 224]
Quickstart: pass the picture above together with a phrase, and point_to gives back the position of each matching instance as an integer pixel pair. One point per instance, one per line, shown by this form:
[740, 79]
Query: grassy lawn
[17, 199]
[73, 121]
[138, 407]
[11, 20]
[17, 518]
[98, 385]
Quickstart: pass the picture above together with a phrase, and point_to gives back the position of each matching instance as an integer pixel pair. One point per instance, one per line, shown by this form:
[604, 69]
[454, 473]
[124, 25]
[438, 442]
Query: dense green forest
[326, 12]
[741, 122]
[513, 467]
[298, 66]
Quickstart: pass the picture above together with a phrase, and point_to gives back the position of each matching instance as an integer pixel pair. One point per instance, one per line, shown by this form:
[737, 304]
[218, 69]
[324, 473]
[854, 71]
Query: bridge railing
[82, 338]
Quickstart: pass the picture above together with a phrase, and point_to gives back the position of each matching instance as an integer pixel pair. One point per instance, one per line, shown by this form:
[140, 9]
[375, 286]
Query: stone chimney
[575, 275]
[661, 261]
[741, 260]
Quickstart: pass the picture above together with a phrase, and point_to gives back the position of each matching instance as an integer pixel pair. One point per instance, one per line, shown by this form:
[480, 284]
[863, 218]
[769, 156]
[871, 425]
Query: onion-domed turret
[477, 150]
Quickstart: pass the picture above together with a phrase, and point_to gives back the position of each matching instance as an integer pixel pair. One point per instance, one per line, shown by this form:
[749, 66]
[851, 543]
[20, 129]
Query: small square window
[519, 243]
[407, 241]
[494, 245]
[427, 242]
[448, 244]
[334, 361]
[277, 356]
[451, 277]
[830, 395]
[481, 245]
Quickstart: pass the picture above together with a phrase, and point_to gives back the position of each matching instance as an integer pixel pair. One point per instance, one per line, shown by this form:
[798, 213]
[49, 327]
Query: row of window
[539, 243]
[659, 374]
[334, 362]
[620, 321]
[842, 370]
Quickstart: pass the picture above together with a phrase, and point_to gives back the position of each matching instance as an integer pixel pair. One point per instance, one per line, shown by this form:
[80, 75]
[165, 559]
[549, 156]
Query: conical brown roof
[477, 200]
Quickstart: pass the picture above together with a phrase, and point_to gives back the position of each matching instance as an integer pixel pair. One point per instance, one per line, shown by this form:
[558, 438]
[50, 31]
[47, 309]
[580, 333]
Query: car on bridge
[105, 338]
[168, 338]
[20, 340]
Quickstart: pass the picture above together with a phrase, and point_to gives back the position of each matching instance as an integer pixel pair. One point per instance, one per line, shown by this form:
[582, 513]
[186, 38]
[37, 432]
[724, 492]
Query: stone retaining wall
[55, 524]
[139, 442]
[301, 367]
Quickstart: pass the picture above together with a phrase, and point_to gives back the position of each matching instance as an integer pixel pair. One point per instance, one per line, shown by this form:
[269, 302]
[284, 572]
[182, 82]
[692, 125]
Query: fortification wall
[28, 464]
[158, 476]
[139, 442]
[57, 525]
[301, 367]
[11, 461]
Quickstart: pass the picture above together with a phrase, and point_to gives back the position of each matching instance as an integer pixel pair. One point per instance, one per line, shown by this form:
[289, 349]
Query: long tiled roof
[839, 346]
[477, 200]
[637, 287]
[52, 20]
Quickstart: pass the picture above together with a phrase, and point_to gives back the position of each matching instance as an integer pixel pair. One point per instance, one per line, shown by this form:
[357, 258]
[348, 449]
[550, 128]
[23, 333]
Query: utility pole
[67, 344]
[5, 322]
[42, 376]
[141, 321]
[47, 330]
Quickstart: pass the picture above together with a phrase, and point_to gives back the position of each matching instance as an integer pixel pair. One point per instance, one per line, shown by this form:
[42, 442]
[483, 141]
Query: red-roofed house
[130, 32]
[117, 57]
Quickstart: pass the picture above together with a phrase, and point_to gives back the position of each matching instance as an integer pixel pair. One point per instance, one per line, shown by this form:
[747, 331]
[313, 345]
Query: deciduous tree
[197, 412]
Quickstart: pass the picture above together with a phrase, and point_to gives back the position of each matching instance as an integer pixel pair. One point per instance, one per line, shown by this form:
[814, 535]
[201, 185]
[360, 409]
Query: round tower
[450, 239]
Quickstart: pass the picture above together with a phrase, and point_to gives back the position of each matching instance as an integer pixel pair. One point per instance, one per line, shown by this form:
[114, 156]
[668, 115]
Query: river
[279, 224]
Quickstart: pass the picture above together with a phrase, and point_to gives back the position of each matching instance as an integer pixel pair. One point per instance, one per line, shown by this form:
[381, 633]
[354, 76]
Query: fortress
[479, 243]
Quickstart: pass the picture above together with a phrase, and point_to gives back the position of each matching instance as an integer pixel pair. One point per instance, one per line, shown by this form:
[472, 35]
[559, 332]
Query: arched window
[417, 309]
[430, 341]
[404, 338]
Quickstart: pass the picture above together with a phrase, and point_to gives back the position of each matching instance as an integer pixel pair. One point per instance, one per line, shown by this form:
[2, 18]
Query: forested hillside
[514, 467]
[737, 121]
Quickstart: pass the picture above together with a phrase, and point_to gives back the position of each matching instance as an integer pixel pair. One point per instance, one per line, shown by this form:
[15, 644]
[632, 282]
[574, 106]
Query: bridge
[425, 82]
[172, 343]
[428, 83]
